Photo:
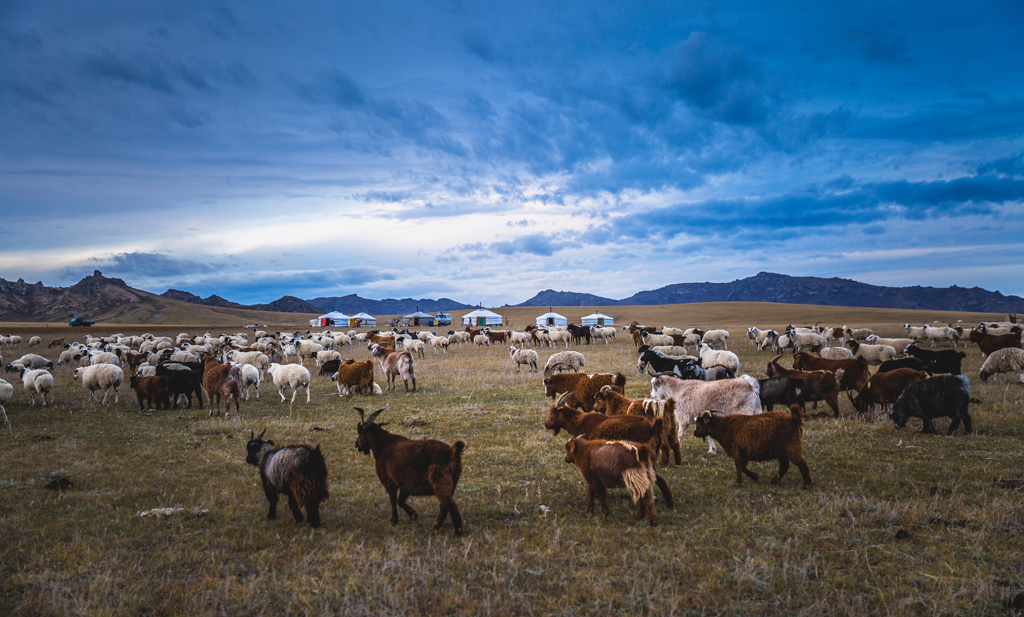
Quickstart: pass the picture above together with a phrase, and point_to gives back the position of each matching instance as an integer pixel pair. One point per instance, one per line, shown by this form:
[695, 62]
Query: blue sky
[486, 151]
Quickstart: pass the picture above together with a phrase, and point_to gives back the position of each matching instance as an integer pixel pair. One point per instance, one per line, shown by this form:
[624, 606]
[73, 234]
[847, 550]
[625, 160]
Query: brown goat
[56, 342]
[618, 464]
[814, 385]
[412, 468]
[988, 343]
[222, 381]
[497, 336]
[153, 390]
[356, 376]
[856, 370]
[885, 388]
[613, 403]
[601, 426]
[761, 437]
[132, 360]
[583, 386]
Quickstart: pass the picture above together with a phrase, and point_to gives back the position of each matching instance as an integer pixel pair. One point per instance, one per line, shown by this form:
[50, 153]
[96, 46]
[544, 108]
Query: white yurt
[418, 319]
[481, 317]
[334, 318]
[362, 319]
[551, 319]
[598, 319]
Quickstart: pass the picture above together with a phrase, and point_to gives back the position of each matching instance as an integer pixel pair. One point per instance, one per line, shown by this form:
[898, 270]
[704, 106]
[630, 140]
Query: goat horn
[361, 418]
[775, 360]
[252, 435]
[262, 434]
[561, 400]
[373, 416]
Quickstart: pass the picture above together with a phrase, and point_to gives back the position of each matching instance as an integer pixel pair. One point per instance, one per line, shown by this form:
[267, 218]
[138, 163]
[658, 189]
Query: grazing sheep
[298, 471]
[899, 344]
[712, 338]
[836, 353]
[290, 376]
[414, 346]
[874, 354]
[35, 341]
[1006, 360]
[104, 377]
[31, 360]
[37, 381]
[564, 362]
[482, 340]
[528, 357]
[656, 340]
[439, 342]
[6, 392]
[710, 357]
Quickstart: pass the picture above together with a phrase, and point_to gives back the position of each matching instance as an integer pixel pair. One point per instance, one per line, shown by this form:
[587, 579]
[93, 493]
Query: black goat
[298, 471]
[943, 361]
[909, 362]
[935, 397]
[330, 369]
[779, 391]
[181, 380]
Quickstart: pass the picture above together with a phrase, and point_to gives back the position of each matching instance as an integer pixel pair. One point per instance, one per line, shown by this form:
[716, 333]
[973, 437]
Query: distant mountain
[352, 304]
[285, 304]
[550, 297]
[90, 297]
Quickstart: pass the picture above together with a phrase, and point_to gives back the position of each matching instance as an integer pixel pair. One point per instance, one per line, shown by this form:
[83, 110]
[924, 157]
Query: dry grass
[896, 523]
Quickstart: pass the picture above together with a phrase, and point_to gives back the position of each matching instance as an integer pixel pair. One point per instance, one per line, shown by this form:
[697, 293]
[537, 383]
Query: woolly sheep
[671, 350]
[1007, 360]
[31, 360]
[899, 344]
[656, 340]
[35, 341]
[307, 349]
[439, 342]
[6, 392]
[521, 339]
[711, 357]
[37, 381]
[104, 377]
[481, 340]
[605, 334]
[836, 353]
[326, 356]
[146, 370]
[528, 357]
[716, 337]
[671, 331]
[250, 378]
[414, 346]
[290, 376]
[560, 336]
[874, 354]
[564, 362]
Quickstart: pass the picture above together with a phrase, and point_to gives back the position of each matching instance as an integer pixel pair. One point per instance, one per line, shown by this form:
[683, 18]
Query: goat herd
[615, 441]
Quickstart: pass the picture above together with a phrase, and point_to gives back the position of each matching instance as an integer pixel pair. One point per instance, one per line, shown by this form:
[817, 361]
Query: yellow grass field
[896, 523]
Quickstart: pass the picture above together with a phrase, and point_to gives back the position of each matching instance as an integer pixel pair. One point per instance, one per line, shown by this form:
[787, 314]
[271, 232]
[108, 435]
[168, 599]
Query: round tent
[551, 319]
[418, 319]
[481, 317]
[362, 319]
[334, 318]
[598, 319]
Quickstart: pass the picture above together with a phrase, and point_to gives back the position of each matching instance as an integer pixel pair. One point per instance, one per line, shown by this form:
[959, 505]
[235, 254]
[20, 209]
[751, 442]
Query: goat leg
[783, 468]
[665, 492]
[393, 495]
[294, 505]
[402, 497]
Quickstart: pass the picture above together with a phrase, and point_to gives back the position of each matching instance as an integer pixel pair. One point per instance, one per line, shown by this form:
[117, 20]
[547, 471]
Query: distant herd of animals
[615, 441]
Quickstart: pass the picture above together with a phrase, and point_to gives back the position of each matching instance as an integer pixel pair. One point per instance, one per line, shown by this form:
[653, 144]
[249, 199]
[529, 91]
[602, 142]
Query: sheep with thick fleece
[559, 336]
[326, 356]
[250, 377]
[290, 376]
[481, 340]
[31, 360]
[1006, 360]
[874, 354]
[528, 357]
[693, 397]
[306, 349]
[712, 338]
[440, 342]
[37, 381]
[104, 377]
[254, 358]
[836, 353]
[564, 362]
[6, 392]
[414, 346]
[656, 340]
[35, 341]
[899, 344]
[713, 357]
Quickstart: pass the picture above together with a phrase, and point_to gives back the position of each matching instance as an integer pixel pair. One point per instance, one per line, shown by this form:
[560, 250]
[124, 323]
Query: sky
[484, 151]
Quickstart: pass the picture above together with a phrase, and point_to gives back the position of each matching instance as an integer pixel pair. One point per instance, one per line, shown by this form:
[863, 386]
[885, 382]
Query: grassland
[897, 522]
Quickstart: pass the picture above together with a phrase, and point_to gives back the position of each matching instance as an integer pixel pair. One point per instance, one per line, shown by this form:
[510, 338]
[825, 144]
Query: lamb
[618, 464]
[299, 471]
[56, 342]
[104, 377]
[612, 403]
[413, 467]
[6, 392]
[290, 376]
[692, 397]
[710, 357]
[37, 381]
[1006, 360]
[712, 338]
[395, 363]
[874, 354]
[35, 341]
[564, 362]
[528, 357]
[764, 437]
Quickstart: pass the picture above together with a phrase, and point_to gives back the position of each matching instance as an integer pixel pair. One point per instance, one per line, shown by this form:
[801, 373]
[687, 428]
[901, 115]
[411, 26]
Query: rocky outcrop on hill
[90, 297]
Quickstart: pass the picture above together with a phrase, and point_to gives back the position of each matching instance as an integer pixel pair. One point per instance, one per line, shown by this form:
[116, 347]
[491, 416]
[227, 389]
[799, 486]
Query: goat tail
[457, 449]
[308, 479]
[798, 415]
[638, 480]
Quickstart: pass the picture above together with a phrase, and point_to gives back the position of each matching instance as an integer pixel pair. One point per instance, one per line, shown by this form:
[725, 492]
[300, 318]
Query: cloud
[135, 71]
[140, 265]
[532, 244]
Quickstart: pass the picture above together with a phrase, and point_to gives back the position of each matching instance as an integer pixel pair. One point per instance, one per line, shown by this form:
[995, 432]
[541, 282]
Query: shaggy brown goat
[613, 403]
[298, 471]
[356, 376]
[583, 386]
[988, 343]
[885, 388]
[222, 381]
[814, 385]
[762, 437]
[618, 464]
[412, 468]
[153, 390]
[856, 370]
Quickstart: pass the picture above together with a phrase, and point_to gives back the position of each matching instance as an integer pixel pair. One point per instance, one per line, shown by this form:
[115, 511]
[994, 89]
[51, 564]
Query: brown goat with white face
[618, 464]
[763, 437]
[413, 467]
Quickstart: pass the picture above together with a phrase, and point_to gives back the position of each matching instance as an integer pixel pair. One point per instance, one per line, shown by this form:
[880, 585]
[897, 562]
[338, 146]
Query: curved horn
[373, 416]
[561, 400]
[262, 434]
[361, 418]
[775, 360]
[252, 435]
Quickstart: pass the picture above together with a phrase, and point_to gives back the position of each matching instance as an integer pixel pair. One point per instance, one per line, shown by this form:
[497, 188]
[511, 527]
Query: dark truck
[78, 321]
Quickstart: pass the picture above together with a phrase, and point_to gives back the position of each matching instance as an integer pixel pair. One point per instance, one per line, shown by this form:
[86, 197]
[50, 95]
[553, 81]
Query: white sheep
[674, 351]
[35, 341]
[104, 377]
[528, 357]
[37, 381]
[250, 378]
[899, 344]
[564, 362]
[671, 331]
[340, 340]
[6, 392]
[716, 337]
[520, 339]
[1007, 360]
[306, 349]
[557, 336]
[439, 342]
[290, 376]
[414, 346]
[799, 340]
[605, 334]
[343, 390]
[326, 356]
[31, 360]
[145, 370]
[481, 340]
[714, 357]
[836, 353]
[874, 354]
[656, 340]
